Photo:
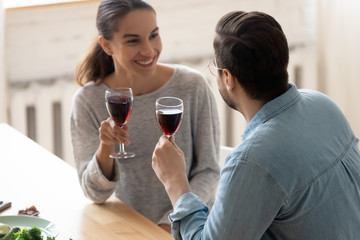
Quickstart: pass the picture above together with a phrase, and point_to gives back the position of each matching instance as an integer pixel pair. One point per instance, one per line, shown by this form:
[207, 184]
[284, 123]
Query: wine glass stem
[121, 148]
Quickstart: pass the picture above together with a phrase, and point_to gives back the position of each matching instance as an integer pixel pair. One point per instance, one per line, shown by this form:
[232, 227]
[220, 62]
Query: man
[296, 174]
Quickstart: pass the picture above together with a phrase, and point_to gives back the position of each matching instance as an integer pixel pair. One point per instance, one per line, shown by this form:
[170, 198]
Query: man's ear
[105, 44]
[229, 80]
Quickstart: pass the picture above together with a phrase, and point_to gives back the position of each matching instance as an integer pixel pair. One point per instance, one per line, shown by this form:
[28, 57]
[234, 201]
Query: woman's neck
[140, 85]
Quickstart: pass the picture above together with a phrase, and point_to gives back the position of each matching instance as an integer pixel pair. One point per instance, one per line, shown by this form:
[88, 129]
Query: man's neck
[247, 106]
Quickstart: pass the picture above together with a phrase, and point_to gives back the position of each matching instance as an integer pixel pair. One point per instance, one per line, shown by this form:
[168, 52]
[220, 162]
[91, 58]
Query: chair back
[224, 152]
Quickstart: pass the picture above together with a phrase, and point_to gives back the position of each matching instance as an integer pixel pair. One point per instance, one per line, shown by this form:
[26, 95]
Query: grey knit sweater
[135, 182]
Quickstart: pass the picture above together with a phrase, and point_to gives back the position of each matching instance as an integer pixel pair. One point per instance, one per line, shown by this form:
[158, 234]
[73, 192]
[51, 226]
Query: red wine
[169, 120]
[119, 108]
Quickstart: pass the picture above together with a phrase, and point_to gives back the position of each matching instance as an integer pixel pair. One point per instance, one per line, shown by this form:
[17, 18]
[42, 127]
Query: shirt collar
[272, 108]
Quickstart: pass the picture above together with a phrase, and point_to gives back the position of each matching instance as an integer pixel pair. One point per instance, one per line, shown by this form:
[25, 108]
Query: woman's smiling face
[136, 46]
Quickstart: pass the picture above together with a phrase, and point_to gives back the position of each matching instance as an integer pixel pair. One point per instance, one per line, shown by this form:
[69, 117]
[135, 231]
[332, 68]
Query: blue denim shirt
[296, 175]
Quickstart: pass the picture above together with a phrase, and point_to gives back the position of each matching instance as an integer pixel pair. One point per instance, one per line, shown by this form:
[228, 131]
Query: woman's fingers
[110, 133]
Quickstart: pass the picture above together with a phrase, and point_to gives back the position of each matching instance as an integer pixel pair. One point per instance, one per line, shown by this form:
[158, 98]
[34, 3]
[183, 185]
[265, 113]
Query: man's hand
[168, 162]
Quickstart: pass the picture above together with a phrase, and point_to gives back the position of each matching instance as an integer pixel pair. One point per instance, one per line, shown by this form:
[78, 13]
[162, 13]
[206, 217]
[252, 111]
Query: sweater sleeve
[85, 140]
[205, 171]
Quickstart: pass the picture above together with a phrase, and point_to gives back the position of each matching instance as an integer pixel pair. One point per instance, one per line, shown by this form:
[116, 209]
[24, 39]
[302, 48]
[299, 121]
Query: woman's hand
[110, 133]
[168, 162]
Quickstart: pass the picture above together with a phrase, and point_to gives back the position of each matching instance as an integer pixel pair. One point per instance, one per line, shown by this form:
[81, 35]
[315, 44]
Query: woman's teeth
[145, 62]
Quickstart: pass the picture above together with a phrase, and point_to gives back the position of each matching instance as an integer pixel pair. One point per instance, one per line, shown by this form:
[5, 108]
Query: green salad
[16, 233]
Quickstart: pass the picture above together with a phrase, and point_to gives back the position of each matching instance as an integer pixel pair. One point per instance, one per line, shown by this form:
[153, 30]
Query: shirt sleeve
[185, 208]
[246, 204]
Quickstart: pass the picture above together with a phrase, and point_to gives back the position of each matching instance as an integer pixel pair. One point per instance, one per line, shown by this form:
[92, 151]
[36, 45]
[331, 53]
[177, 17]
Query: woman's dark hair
[97, 64]
[253, 47]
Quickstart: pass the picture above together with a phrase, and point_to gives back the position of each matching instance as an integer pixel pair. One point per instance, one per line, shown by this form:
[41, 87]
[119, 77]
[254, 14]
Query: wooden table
[31, 175]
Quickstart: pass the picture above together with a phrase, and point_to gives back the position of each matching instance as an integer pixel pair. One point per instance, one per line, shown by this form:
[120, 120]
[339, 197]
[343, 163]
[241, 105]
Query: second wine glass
[119, 103]
[169, 112]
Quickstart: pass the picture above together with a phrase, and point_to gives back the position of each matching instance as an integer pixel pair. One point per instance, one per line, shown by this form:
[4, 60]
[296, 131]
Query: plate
[46, 227]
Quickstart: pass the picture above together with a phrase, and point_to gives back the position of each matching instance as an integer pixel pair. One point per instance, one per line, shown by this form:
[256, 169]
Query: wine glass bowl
[169, 112]
[119, 102]
[119, 107]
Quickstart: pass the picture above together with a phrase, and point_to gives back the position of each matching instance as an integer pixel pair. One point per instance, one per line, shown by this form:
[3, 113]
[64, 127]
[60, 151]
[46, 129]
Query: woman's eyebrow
[155, 29]
[129, 35]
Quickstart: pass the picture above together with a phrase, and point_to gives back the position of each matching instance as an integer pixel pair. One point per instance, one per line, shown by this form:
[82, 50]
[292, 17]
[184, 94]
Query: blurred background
[41, 42]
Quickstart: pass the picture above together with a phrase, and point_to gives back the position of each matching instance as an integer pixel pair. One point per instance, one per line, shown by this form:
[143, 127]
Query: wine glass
[119, 102]
[169, 114]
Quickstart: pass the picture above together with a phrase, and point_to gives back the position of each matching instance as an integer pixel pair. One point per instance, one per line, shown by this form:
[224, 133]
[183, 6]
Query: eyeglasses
[213, 68]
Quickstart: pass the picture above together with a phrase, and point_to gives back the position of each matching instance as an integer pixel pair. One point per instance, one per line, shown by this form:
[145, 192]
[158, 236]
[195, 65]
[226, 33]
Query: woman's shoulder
[189, 75]
[185, 79]
[180, 69]
[188, 70]
[89, 90]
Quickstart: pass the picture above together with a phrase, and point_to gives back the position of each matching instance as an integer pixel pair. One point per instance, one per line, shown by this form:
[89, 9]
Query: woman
[126, 55]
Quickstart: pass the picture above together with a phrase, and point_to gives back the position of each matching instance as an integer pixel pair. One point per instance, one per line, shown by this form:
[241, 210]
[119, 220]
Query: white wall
[187, 26]
[339, 55]
[43, 46]
[3, 95]
[47, 41]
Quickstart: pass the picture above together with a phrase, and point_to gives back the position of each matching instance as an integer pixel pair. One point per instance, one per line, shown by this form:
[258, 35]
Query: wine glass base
[122, 155]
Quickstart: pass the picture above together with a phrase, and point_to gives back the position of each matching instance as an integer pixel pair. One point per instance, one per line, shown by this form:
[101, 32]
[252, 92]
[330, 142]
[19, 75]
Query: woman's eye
[132, 41]
[154, 35]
